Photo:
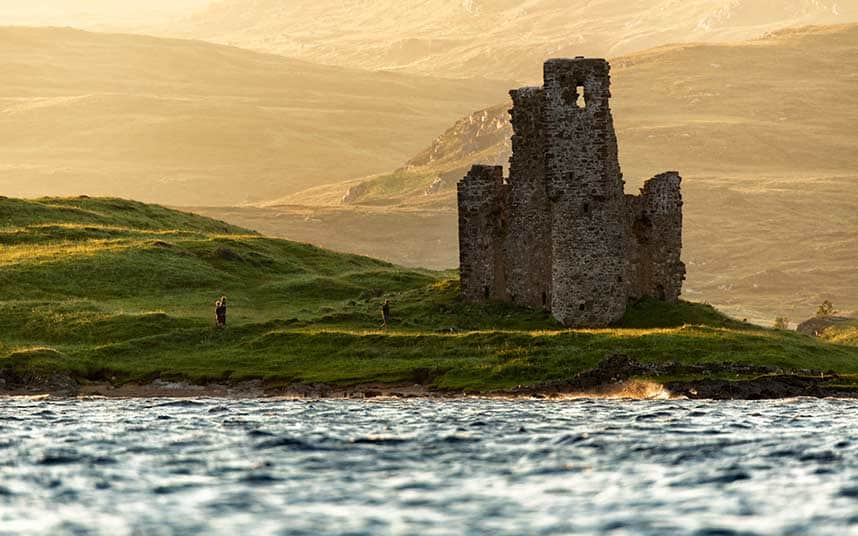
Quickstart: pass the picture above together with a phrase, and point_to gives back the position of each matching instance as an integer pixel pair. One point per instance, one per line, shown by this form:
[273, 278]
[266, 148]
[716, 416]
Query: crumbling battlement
[560, 233]
[482, 224]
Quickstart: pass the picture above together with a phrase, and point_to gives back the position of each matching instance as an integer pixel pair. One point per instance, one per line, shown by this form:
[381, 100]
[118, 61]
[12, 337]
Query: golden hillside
[97, 14]
[186, 122]
[492, 38]
[784, 106]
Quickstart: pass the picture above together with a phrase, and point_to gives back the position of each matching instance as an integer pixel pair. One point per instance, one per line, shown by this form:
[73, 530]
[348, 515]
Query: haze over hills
[187, 122]
[97, 14]
[691, 107]
[769, 161]
[491, 38]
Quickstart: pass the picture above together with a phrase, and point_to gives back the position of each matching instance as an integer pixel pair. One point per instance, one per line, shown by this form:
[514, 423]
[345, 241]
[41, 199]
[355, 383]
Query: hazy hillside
[688, 107]
[763, 132]
[492, 38]
[111, 14]
[188, 122]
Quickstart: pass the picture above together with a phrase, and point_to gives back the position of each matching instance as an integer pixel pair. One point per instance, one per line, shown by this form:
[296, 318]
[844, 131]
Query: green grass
[394, 188]
[104, 288]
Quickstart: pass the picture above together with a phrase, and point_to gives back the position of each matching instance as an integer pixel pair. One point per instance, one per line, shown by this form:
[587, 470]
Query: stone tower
[560, 233]
[585, 188]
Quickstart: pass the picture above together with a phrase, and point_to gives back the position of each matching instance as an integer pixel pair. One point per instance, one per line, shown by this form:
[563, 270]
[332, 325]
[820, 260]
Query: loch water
[209, 466]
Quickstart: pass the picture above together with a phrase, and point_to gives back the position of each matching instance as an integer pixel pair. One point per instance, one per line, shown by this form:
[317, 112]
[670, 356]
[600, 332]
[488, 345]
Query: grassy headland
[107, 289]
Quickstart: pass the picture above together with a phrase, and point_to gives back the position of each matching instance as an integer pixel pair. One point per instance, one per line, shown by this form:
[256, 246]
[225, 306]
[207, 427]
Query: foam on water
[428, 467]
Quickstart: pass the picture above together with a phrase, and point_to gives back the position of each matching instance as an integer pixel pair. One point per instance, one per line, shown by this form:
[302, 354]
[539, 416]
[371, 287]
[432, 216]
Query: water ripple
[428, 467]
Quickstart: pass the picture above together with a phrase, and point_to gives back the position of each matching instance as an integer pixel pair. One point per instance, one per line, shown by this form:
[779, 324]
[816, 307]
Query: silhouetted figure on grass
[385, 314]
[220, 312]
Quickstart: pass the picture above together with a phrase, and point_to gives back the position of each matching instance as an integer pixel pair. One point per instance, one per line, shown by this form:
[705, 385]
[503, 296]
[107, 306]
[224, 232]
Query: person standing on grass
[220, 312]
[385, 314]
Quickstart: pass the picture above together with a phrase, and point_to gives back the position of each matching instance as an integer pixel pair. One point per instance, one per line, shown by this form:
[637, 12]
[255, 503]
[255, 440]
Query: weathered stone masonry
[560, 233]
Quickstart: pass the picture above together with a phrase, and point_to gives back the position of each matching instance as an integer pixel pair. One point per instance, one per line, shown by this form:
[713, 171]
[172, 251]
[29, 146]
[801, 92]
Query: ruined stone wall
[482, 226]
[585, 187]
[637, 233]
[528, 241]
[656, 236]
[561, 234]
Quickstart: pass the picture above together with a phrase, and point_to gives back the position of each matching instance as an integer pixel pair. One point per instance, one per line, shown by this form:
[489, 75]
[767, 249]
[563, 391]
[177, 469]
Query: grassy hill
[492, 38]
[763, 133]
[187, 122]
[106, 289]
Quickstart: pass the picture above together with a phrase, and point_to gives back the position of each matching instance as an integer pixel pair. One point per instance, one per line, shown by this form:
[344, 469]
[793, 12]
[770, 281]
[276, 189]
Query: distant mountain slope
[97, 14]
[188, 122]
[763, 132]
[493, 38]
[784, 106]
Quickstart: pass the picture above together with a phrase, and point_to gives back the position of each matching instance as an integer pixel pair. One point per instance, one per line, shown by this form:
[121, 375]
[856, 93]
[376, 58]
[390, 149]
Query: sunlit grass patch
[842, 334]
[62, 251]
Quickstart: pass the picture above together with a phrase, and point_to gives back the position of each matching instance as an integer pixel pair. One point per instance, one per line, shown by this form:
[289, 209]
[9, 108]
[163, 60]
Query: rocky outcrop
[443, 182]
[763, 388]
[471, 135]
[815, 326]
[355, 193]
[752, 382]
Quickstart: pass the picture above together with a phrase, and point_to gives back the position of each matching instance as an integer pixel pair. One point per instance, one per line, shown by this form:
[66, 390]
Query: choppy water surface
[427, 467]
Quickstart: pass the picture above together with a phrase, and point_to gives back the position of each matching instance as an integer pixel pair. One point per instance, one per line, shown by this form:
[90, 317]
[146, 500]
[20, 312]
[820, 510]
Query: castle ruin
[560, 233]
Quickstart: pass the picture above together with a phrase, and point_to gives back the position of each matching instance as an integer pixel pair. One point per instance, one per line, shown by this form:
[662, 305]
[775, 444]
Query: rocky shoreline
[709, 381]
[616, 376]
